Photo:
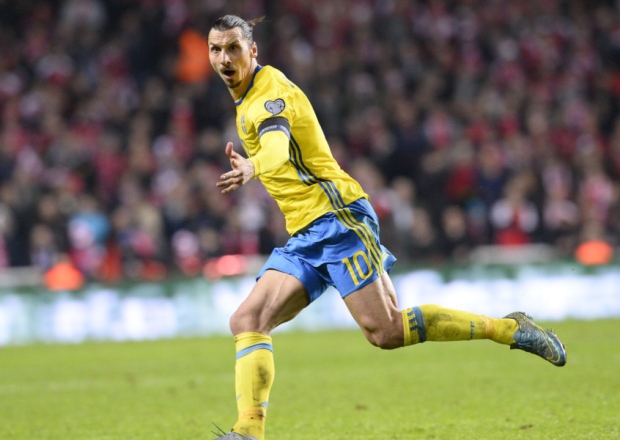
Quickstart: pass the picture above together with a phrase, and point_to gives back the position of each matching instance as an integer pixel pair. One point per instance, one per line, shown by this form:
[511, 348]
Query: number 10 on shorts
[355, 261]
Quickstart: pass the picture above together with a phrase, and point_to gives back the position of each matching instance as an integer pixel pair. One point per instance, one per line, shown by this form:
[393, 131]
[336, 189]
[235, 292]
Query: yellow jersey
[310, 183]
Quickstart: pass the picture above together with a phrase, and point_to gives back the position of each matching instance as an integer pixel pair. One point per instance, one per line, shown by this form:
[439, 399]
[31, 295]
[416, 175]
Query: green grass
[328, 386]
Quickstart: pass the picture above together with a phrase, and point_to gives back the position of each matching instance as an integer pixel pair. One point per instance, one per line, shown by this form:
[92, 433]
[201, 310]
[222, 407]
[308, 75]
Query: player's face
[233, 58]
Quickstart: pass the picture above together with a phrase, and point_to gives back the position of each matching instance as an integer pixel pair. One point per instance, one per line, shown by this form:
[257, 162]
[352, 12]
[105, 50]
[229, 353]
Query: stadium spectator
[514, 218]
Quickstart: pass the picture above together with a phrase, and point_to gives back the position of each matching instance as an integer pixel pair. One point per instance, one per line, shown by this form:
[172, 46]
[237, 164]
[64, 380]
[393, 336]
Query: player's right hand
[242, 171]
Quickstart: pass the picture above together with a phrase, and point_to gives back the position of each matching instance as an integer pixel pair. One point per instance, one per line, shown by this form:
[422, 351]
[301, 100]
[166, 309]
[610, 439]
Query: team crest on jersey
[275, 107]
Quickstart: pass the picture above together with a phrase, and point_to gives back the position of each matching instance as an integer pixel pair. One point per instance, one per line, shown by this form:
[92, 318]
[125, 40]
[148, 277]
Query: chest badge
[275, 107]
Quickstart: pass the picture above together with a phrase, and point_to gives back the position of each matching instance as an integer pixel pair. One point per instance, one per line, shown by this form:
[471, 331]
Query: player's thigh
[375, 307]
[276, 298]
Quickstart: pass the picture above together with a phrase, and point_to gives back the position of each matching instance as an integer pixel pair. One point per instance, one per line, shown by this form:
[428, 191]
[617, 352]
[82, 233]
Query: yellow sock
[434, 323]
[254, 373]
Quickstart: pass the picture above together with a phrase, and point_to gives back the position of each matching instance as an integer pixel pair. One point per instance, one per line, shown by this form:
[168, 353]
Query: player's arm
[274, 135]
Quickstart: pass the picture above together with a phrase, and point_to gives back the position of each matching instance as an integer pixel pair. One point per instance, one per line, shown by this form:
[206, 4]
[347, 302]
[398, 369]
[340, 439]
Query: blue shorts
[339, 249]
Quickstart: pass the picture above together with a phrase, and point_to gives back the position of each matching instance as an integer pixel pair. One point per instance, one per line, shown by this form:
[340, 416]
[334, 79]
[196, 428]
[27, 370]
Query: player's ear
[253, 50]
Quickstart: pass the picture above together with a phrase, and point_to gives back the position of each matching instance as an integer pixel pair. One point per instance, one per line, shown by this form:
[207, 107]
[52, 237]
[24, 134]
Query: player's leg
[276, 298]
[359, 270]
[385, 325]
[375, 309]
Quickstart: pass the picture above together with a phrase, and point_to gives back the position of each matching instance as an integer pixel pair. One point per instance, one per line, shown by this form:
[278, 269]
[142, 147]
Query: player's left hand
[242, 171]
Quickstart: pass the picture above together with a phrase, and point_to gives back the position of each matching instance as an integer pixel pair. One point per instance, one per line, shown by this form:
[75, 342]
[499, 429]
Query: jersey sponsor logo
[275, 107]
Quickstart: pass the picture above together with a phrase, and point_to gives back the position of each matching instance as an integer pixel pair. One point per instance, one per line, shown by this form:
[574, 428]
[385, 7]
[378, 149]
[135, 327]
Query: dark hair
[228, 22]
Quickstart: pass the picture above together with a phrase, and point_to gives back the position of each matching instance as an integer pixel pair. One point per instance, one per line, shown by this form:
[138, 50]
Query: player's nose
[225, 58]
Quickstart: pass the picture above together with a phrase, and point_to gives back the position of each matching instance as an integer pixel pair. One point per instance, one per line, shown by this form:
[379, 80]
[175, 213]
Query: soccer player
[334, 235]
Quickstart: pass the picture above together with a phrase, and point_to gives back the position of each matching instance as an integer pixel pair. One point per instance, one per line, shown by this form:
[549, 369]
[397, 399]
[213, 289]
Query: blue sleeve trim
[251, 348]
[274, 128]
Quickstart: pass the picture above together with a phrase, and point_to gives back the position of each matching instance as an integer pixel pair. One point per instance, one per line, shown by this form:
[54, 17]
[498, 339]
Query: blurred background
[483, 131]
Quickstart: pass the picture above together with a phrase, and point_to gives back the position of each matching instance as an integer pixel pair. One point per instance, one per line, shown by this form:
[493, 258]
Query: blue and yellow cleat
[535, 339]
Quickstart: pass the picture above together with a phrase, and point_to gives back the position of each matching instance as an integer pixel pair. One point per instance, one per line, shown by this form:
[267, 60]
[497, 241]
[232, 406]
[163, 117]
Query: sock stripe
[416, 322]
[251, 348]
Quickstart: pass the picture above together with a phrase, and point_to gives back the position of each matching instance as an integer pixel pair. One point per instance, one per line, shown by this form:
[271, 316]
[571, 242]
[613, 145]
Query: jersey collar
[240, 100]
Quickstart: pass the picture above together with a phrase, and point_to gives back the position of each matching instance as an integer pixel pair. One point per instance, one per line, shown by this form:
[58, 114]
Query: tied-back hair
[228, 22]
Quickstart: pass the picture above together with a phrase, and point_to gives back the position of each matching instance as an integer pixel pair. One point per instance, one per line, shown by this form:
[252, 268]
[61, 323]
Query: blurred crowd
[493, 122]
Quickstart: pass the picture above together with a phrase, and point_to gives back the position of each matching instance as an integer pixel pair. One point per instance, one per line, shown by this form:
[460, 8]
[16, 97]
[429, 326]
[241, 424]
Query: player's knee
[233, 324]
[241, 322]
[385, 339]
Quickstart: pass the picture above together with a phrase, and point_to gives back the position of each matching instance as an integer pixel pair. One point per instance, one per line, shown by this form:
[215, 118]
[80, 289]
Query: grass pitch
[328, 386]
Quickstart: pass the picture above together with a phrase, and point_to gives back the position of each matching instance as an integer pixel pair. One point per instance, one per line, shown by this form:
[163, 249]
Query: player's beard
[231, 83]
